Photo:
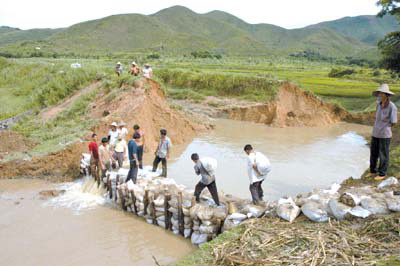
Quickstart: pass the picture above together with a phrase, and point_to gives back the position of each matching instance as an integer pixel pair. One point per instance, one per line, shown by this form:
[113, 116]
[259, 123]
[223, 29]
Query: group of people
[114, 149]
[135, 70]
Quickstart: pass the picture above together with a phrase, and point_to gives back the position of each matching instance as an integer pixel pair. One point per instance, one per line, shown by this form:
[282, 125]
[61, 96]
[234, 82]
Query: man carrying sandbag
[258, 167]
[206, 168]
[162, 153]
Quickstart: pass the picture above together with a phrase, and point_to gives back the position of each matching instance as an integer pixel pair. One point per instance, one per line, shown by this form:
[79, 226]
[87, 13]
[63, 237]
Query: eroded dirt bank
[144, 104]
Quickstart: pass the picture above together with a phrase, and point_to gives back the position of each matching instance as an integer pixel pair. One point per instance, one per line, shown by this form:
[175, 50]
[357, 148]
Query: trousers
[379, 151]
[157, 161]
[257, 192]
[212, 187]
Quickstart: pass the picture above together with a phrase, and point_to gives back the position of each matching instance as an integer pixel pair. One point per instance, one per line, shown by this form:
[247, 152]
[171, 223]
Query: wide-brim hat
[134, 63]
[114, 124]
[118, 63]
[383, 88]
[122, 124]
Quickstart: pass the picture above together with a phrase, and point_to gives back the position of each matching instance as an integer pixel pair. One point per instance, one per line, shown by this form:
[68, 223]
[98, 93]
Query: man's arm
[256, 169]
[168, 149]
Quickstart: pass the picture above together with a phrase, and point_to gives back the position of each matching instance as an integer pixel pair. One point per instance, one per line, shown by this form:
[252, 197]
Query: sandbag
[159, 202]
[161, 223]
[393, 203]
[198, 238]
[388, 182]
[263, 164]
[337, 209]
[315, 211]
[204, 229]
[287, 209]
[359, 212]
[374, 206]
[205, 214]
[210, 164]
[228, 224]
[187, 232]
[254, 211]
[238, 217]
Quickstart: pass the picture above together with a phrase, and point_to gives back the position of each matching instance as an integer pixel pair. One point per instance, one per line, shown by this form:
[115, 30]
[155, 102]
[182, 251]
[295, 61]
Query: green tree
[390, 45]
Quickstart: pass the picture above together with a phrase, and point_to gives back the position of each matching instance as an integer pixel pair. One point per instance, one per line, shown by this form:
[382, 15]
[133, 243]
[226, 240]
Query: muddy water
[77, 229]
[302, 158]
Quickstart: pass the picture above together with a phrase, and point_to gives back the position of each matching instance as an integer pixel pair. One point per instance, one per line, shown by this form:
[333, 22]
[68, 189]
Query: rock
[51, 193]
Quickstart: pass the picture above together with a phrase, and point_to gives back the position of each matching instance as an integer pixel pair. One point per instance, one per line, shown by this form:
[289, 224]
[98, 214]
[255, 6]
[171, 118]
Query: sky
[27, 14]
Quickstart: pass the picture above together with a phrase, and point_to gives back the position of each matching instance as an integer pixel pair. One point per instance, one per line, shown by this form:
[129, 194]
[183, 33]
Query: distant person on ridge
[118, 69]
[385, 118]
[147, 71]
[140, 144]
[135, 70]
[258, 167]
[94, 158]
[162, 153]
[206, 169]
[133, 159]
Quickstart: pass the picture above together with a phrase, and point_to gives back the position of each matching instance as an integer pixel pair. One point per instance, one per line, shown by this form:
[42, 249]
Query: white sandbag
[263, 164]
[210, 164]
[149, 221]
[359, 212]
[187, 220]
[159, 214]
[187, 232]
[173, 210]
[337, 209]
[205, 214]
[254, 211]
[374, 206]
[161, 218]
[206, 229]
[333, 189]
[287, 209]
[239, 217]
[195, 227]
[161, 223]
[186, 211]
[160, 209]
[393, 203]
[198, 238]
[175, 231]
[206, 222]
[315, 211]
[388, 182]
[159, 202]
[187, 204]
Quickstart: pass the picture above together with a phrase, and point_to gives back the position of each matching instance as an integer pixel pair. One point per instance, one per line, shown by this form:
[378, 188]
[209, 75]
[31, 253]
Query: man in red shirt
[94, 158]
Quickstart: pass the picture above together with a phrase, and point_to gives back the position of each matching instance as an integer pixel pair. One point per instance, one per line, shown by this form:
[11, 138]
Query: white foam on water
[352, 138]
[80, 195]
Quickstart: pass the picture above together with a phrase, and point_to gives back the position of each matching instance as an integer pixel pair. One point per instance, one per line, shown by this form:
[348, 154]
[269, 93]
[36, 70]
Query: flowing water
[77, 228]
[302, 158]
[81, 227]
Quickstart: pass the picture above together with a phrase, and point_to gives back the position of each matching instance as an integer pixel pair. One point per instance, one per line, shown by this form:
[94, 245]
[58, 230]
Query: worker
[123, 131]
[140, 144]
[147, 71]
[385, 118]
[206, 170]
[135, 70]
[162, 153]
[258, 167]
[120, 151]
[105, 157]
[94, 158]
[113, 134]
[118, 69]
[133, 159]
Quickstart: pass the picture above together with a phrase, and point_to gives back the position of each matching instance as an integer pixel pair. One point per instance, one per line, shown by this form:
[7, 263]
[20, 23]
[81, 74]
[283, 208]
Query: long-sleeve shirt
[132, 149]
[384, 119]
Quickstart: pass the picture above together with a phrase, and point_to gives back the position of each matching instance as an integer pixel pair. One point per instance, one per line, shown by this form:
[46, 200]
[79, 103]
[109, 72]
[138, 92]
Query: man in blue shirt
[133, 158]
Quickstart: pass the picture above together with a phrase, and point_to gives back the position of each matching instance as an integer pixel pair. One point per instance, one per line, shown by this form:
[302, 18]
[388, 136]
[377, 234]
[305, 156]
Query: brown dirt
[292, 107]
[146, 107]
[13, 142]
[52, 112]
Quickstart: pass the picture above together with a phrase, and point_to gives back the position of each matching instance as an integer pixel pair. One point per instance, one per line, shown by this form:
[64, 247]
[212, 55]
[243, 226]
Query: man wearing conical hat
[386, 117]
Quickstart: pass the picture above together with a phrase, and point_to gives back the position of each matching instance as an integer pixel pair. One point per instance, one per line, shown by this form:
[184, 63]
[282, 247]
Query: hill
[179, 30]
[10, 35]
[367, 29]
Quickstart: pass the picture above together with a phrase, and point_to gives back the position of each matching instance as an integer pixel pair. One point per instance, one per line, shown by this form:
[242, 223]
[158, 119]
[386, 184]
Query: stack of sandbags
[159, 204]
[173, 209]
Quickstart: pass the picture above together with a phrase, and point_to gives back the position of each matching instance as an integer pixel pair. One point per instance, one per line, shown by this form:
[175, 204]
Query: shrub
[337, 73]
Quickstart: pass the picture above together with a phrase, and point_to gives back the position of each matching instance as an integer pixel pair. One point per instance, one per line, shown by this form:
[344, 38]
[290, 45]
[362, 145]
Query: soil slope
[292, 107]
[146, 107]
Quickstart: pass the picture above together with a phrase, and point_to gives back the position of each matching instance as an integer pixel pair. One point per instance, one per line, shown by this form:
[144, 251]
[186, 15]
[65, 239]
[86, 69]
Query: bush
[153, 56]
[337, 73]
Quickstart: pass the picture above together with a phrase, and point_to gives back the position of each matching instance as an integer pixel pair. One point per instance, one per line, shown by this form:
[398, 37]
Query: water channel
[82, 228]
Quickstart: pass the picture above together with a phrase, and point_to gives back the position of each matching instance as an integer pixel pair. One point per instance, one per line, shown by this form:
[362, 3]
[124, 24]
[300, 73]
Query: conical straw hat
[383, 88]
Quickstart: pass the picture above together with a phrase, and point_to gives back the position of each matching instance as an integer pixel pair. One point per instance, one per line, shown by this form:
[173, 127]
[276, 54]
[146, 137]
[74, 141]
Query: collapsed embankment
[293, 107]
[144, 104]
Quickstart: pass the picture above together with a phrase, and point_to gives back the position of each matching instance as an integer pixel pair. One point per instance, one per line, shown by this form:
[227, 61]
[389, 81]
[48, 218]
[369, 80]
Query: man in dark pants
[386, 117]
[258, 167]
[207, 180]
[162, 153]
[140, 143]
[133, 159]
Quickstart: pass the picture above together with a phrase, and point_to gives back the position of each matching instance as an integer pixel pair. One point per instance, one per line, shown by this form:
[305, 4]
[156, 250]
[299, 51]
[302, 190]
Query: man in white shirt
[147, 71]
[113, 134]
[162, 153]
[258, 167]
[123, 131]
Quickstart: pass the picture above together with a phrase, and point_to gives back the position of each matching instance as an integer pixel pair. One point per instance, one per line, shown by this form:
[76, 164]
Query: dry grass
[271, 241]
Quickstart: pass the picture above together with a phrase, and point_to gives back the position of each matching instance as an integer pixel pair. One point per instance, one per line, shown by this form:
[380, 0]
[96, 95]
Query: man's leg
[374, 155]
[135, 172]
[157, 160]
[260, 190]
[164, 167]
[383, 156]
[212, 187]
[140, 156]
[131, 171]
[254, 192]
[197, 190]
